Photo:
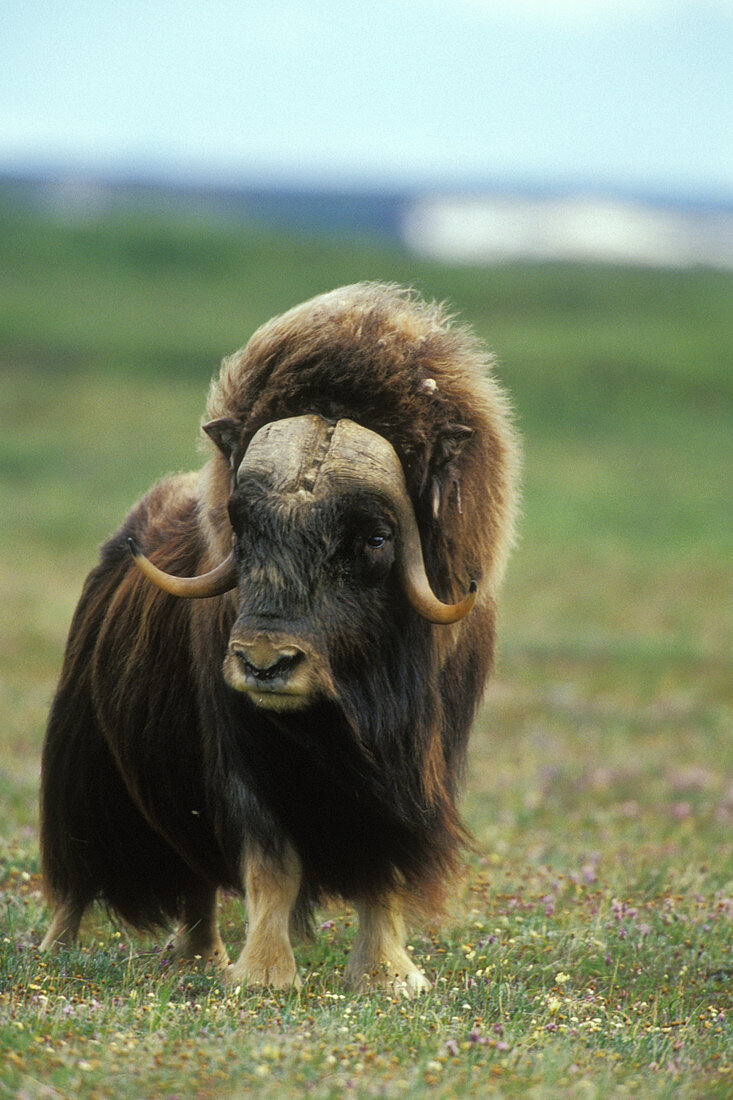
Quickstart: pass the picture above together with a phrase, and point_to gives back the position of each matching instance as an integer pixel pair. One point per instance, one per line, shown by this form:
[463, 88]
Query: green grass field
[590, 953]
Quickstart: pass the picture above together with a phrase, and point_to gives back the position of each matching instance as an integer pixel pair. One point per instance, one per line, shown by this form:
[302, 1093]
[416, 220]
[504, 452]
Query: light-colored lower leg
[197, 936]
[64, 926]
[378, 958]
[272, 888]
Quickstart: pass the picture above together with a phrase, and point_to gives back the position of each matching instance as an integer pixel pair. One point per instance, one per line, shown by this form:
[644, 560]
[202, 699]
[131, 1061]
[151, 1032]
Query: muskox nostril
[264, 666]
[240, 654]
[285, 664]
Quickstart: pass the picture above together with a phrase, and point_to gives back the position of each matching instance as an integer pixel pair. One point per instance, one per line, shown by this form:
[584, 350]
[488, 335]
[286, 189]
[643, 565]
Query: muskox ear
[443, 481]
[448, 445]
[226, 433]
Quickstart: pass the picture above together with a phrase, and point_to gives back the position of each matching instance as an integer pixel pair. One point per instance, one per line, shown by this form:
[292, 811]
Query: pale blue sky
[540, 92]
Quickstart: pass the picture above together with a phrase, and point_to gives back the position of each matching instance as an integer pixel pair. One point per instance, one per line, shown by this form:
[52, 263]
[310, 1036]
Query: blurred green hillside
[111, 329]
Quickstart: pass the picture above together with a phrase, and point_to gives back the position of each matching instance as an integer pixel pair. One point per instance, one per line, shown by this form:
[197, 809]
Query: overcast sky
[630, 93]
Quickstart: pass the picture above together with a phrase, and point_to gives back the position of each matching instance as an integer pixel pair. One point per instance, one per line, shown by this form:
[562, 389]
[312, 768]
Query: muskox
[271, 673]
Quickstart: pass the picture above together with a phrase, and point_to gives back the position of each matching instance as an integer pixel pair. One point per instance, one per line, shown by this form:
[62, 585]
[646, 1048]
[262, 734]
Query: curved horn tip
[462, 608]
[216, 582]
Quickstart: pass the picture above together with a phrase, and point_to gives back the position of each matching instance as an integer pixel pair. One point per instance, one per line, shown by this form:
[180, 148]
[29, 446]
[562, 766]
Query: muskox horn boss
[308, 454]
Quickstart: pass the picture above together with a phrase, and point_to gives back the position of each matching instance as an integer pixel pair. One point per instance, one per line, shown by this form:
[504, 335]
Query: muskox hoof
[278, 972]
[399, 980]
[186, 949]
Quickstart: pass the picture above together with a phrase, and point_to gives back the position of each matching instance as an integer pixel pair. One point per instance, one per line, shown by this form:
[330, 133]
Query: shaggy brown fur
[161, 783]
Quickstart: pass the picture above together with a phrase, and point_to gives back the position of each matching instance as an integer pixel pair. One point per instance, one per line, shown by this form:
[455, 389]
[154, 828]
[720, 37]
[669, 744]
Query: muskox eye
[377, 540]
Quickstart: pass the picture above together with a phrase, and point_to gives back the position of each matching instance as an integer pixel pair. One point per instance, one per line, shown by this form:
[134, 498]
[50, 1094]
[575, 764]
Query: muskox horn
[358, 455]
[415, 579]
[214, 583]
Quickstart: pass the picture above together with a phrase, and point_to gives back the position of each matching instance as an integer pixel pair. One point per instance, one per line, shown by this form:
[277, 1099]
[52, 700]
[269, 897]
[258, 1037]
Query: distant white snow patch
[481, 229]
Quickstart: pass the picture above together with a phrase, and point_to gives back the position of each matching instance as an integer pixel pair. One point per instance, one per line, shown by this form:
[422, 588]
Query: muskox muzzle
[307, 454]
[276, 672]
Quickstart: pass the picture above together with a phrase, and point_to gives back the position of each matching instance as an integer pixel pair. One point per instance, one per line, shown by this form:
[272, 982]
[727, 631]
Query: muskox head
[325, 540]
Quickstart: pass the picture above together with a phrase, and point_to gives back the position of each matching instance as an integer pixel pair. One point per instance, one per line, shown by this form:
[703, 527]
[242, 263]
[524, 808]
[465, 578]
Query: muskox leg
[272, 885]
[197, 936]
[378, 958]
[64, 927]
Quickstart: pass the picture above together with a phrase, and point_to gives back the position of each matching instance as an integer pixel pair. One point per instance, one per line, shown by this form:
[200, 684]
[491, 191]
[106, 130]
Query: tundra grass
[589, 954]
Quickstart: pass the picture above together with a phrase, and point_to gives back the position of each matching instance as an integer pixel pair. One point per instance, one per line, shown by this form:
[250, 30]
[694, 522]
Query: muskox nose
[265, 661]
